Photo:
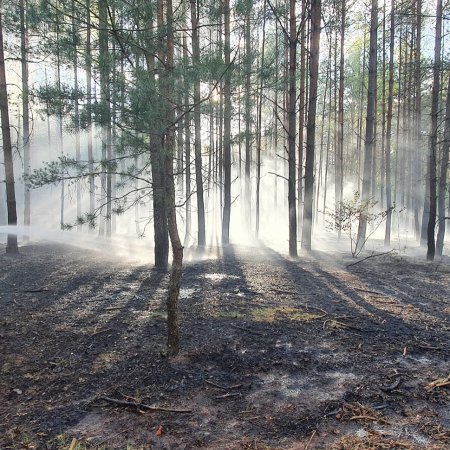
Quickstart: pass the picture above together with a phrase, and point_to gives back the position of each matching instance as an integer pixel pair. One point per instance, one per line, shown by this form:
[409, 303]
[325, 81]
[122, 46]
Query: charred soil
[276, 353]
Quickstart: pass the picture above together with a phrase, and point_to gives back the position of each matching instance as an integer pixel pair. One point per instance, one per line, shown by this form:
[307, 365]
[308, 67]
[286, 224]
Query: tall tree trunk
[90, 153]
[387, 236]
[431, 245]
[60, 124]
[339, 179]
[76, 108]
[301, 115]
[259, 124]
[370, 123]
[311, 122]
[248, 111]
[104, 101]
[418, 117]
[11, 243]
[157, 158]
[187, 143]
[291, 111]
[25, 111]
[227, 130]
[443, 178]
[197, 125]
[173, 338]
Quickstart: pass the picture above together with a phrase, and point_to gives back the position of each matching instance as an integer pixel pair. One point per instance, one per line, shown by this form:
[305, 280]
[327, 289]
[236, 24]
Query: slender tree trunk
[370, 125]
[60, 124]
[418, 118]
[76, 108]
[11, 243]
[158, 163]
[104, 101]
[311, 122]
[90, 153]
[248, 111]
[301, 115]
[259, 125]
[339, 186]
[227, 130]
[25, 111]
[387, 236]
[292, 129]
[443, 178]
[197, 125]
[187, 149]
[173, 338]
[431, 245]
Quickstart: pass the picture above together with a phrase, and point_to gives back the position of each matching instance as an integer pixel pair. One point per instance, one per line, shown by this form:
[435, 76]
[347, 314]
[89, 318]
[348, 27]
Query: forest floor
[276, 353]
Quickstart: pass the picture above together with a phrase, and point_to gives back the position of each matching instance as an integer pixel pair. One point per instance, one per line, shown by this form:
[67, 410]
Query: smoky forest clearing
[276, 353]
[224, 224]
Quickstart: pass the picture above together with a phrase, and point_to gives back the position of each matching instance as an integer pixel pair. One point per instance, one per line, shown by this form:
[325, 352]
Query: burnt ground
[276, 353]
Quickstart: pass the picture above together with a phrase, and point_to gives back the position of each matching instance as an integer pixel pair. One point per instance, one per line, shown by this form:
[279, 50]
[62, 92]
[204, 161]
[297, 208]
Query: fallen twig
[310, 439]
[440, 382]
[364, 417]
[367, 257]
[325, 313]
[225, 388]
[227, 395]
[136, 405]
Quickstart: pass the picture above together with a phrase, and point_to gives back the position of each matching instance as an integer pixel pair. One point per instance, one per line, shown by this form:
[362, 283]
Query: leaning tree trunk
[370, 126]
[311, 123]
[431, 245]
[11, 245]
